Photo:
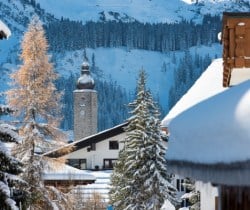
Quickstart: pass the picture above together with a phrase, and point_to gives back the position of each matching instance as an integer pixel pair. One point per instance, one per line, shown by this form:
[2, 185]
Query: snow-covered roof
[210, 141]
[101, 185]
[5, 30]
[220, 126]
[66, 172]
[209, 84]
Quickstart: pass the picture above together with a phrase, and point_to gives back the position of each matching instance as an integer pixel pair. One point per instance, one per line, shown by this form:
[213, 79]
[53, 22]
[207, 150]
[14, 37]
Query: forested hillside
[173, 52]
[66, 35]
[164, 37]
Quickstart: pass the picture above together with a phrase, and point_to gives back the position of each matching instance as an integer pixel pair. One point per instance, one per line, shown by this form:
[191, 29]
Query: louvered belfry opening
[236, 44]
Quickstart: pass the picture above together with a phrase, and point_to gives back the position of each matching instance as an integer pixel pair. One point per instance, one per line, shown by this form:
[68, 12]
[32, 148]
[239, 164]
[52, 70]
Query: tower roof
[85, 81]
[4, 31]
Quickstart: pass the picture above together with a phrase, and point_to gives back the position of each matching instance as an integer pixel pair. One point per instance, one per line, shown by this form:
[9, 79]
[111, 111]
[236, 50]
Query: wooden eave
[87, 141]
[231, 174]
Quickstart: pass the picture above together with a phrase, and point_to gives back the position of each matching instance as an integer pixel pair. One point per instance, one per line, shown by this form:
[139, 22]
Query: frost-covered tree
[37, 102]
[118, 192]
[10, 167]
[193, 196]
[140, 179]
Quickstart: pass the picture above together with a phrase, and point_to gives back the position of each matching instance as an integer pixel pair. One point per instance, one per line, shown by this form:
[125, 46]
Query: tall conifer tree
[140, 179]
[10, 167]
[37, 102]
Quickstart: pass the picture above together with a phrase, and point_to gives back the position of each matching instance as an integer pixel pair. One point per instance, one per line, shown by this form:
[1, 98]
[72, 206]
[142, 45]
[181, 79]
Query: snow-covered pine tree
[140, 179]
[118, 192]
[192, 195]
[37, 102]
[10, 167]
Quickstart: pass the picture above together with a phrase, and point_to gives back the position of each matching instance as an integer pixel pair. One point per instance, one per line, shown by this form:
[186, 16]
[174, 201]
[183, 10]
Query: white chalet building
[98, 151]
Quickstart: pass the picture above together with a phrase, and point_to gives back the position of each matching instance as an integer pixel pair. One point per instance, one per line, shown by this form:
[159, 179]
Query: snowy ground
[102, 185]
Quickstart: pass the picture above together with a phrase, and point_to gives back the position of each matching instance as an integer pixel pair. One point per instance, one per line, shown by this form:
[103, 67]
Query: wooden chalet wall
[236, 43]
[235, 198]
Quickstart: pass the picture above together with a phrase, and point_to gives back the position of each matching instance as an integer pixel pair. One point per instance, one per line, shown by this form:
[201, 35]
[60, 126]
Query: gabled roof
[87, 141]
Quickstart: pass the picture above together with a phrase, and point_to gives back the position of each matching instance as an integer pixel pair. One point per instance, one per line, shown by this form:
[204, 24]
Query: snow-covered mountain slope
[120, 63]
[16, 15]
[123, 66]
[152, 11]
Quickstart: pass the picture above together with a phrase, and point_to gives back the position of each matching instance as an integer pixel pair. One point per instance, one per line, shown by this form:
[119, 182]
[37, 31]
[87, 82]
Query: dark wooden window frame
[110, 164]
[113, 145]
[76, 163]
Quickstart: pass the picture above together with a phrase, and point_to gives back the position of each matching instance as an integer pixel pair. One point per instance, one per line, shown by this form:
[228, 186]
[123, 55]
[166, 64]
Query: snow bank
[216, 130]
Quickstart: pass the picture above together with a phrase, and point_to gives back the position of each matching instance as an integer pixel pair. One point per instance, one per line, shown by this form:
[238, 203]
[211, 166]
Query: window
[182, 185]
[109, 163]
[91, 147]
[179, 185]
[113, 145]
[78, 163]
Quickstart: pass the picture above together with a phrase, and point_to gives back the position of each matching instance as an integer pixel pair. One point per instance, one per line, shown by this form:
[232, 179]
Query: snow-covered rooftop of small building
[211, 139]
[100, 186]
[66, 172]
[209, 84]
[5, 29]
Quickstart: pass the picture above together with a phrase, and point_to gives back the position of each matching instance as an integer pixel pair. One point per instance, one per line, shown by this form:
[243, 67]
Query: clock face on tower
[82, 109]
[82, 105]
[82, 112]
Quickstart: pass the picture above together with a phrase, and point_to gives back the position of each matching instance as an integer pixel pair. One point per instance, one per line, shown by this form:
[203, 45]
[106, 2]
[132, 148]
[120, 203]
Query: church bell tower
[85, 105]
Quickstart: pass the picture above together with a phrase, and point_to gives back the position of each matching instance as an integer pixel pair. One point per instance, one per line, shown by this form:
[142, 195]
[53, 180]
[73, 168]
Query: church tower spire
[85, 104]
[85, 81]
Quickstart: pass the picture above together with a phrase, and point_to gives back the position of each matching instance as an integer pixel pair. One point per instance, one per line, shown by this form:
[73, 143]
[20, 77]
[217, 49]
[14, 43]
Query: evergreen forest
[67, 35]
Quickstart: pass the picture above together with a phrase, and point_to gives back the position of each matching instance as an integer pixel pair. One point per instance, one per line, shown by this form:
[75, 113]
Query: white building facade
[100, 155]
